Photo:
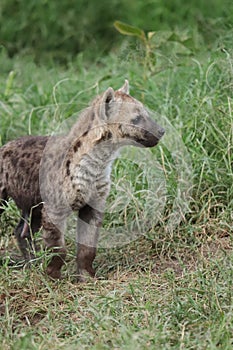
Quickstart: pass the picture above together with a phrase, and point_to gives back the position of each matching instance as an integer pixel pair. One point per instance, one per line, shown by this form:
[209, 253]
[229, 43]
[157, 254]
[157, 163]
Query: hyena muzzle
[48, 177]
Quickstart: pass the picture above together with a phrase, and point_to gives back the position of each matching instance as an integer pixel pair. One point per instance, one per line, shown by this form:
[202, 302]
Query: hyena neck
[92, 148]
[101, 157]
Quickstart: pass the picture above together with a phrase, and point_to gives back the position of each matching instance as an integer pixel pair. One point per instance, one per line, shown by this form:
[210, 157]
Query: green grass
[171, 288]
[46, 29]
[181, 306]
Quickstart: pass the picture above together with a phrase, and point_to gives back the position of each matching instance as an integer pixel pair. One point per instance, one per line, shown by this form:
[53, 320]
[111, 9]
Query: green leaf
[127, 29]
[162, 37]
[178, 48]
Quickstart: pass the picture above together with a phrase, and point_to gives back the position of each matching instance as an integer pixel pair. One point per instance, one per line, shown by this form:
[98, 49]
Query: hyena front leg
[89, 221]
[54, 240]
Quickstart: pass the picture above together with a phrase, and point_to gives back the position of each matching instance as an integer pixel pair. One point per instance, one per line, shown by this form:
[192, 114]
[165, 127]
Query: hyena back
[48, 177]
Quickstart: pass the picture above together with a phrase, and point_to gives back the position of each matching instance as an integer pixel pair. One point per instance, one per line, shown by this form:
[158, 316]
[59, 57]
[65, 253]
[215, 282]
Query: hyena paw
[56, 263]
[85, 275]
[53, 272]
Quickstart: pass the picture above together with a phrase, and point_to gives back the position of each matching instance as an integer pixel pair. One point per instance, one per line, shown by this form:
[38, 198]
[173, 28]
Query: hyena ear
[125, 88]
[107, 99]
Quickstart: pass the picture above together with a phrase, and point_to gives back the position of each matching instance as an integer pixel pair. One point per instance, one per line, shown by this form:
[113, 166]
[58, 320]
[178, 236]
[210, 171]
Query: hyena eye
[136, 120]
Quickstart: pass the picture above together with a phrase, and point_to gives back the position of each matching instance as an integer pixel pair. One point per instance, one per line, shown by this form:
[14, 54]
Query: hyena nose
[161, 132]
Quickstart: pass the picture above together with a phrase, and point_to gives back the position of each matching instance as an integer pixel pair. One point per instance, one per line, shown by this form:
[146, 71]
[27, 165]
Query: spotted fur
[48, 177]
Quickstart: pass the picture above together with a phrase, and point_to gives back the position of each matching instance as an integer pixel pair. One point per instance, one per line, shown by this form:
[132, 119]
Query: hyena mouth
[149, 139]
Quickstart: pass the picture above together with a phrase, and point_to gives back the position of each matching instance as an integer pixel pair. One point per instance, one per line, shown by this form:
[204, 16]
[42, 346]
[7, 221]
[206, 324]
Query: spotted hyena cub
[48, 177]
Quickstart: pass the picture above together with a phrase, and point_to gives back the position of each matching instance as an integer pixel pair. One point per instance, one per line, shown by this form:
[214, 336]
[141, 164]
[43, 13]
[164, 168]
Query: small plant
[177, 43]
[145, 39]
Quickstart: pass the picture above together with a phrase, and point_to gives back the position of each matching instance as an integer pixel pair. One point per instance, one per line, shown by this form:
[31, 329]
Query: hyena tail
[29, 224]
[3, 199]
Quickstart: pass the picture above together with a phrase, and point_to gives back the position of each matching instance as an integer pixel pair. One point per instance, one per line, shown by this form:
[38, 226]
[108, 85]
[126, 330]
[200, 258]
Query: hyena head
[126, 119]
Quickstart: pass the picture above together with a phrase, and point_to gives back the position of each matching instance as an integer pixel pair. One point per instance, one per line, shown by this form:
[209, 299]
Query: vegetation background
[169, 289]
